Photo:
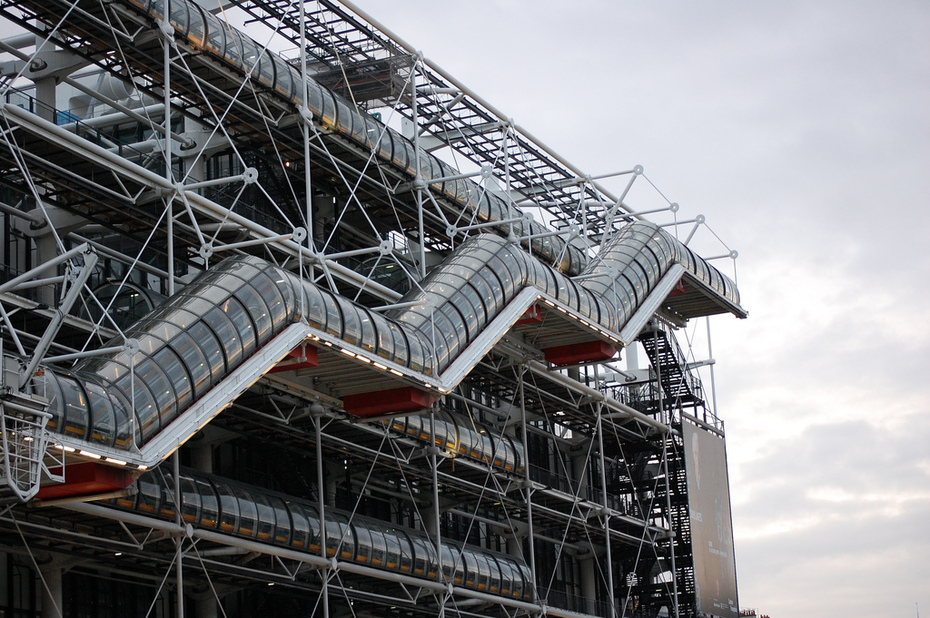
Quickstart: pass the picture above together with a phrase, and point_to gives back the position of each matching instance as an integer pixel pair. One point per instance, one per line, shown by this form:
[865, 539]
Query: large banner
[711, 526]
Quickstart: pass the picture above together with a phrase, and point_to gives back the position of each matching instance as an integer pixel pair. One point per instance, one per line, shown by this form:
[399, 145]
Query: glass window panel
[527, 579]
[257, 311]
[329, 109]
[283, 81]
[494, 578]
[316, 98]
[75, 408]
[392, 555]
[143, 405]
[212, 350]
[343, 117]
[507, 576]
[416, 353]
[470, 564]
[401, 349]
[196, 31]
[425, 563]
[46, 385]
[406, 552]
[168, 509]
[333, 315]
[248, 513]
[378, 547]
[179, 16]
[273, 296]
[352, 327]
[190, 501]
[471, 308]
[368, 341]
[282, 521]
[195, 361]
[363, 544]
[246, 329]
[179, 378]
[200, 304]
[168, 327]
[149, 494]
[229, 508]
[266, 517]
[385, 337]
[315, 306]
[339, 538]
[102, 420]
[126, 428]
[157, 9]
[507, 273]
[399, 152]
[234, 48]
[313, 517]
[226, 335]
[249, 55]
[300, 527]
[149, 344]
[151, 374]
[210, 507]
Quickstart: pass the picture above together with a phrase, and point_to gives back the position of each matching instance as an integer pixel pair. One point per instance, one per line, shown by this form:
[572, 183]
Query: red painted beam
[391, 401]
[83, 479]
[588, 351]
[293, 362]
[533, 315]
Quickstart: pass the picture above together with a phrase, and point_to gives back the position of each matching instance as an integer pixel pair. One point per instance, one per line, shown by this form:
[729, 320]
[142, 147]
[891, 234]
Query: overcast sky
[802, 131]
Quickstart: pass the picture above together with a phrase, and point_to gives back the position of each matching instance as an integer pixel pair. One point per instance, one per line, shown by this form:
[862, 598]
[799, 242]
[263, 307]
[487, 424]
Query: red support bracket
[588, 351]
[391, 401]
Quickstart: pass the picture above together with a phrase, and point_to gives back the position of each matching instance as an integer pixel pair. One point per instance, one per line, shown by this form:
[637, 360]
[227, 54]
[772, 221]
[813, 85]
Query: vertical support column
[588, 574]
[436, 528]
[419, 183]
[671, 532]
[320, 503]
[167, 40]
[606, 513]
[307, 117]
[52, 590]
[713, 380]
[527, 481]
[179, 541]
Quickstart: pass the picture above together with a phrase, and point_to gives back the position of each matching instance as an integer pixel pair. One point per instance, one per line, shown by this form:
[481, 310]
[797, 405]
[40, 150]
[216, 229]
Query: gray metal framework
[323, 332]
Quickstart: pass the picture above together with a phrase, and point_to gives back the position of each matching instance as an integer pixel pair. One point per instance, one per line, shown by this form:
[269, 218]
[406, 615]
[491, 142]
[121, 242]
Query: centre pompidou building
[295, 323]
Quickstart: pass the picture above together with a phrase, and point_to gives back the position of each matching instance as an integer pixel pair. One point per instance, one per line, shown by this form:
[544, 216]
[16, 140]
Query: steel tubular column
[419, 184]
[527, 481]
[606, 515]
[434, 464]
[603, 465]
[321, 505]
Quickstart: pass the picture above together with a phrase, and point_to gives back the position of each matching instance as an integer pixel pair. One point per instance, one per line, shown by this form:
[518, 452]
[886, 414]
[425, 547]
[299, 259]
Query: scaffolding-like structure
[295, 322]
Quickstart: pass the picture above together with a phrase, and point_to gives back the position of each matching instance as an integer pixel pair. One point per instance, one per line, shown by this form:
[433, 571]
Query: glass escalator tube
[185, 347]
[200, 335]
[269, 517]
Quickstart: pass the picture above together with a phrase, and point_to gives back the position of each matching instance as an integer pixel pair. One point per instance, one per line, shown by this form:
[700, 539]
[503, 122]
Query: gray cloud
[801, 130]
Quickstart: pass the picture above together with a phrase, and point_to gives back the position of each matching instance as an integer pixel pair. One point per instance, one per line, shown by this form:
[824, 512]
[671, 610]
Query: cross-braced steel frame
[138, 152]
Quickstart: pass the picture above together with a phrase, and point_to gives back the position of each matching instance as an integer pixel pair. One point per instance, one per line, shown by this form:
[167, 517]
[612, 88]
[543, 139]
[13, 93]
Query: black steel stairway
[679, 385]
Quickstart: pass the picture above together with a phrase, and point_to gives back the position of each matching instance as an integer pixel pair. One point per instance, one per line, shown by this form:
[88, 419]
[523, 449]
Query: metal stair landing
[23, 444]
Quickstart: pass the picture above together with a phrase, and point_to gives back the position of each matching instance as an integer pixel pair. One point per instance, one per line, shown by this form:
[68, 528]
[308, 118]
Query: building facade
[295, 323]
